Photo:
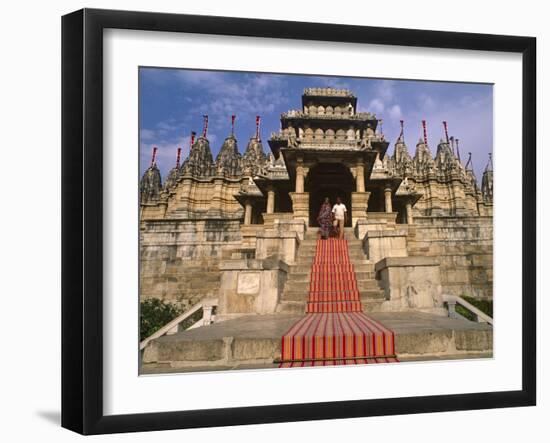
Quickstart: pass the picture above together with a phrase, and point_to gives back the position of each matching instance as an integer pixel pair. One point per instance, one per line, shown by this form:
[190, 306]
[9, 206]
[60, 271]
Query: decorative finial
[446, 133]
[154, 156]
[205, 126]
[380, 122]
[457, 151]
[233, 117]
[402, 133]
[425, 132]
[469, 162]
[489, 166]
[178, 158]
[258, 118]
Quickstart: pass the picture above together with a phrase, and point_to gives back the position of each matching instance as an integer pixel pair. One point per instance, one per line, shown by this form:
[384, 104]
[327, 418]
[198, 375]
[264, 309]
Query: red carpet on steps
[335, 331]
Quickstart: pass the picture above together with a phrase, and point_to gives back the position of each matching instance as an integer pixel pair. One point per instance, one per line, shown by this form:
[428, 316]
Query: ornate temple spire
[199, 163]
[228, 160]
[423, 162]
[150, 184]
[487, 181]
[254, 157]
[174, 173]
[423, 154]
[401, 154]
[470, 175]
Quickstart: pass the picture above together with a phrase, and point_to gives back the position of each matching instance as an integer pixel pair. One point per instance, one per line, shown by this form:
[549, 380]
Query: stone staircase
[296, 290]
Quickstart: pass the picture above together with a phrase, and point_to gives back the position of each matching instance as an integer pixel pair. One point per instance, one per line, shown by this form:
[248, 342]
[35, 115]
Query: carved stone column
[387, 194]
[248, 213]
[408, 209]
[300, 206]
[360, 178]
[270, 200]
[359, 206]
[299, 179]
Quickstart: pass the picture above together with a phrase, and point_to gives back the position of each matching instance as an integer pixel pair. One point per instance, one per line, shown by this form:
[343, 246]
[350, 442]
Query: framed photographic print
[270, 221]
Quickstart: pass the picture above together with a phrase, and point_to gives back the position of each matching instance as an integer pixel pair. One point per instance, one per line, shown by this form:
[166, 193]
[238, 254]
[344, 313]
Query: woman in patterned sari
[325, 219]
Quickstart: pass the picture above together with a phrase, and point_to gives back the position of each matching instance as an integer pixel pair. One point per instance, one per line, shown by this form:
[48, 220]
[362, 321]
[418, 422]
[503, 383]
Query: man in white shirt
[340, 216]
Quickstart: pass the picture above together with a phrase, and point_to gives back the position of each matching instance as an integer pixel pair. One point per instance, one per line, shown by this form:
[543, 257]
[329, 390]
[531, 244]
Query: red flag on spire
[233, 117]
[446, 133]
[205, 126]
[258, 127]
[178, 158]
[154, 156]
[425, 132]
[192, 141]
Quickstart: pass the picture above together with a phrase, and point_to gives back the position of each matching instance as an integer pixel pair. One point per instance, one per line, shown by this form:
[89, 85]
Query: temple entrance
[329, 180]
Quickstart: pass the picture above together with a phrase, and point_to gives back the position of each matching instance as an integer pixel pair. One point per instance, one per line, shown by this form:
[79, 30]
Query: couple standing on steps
[332, 218]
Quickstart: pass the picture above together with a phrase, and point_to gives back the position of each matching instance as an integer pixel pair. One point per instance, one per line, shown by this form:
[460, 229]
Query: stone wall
[180, 258]
[464, 249]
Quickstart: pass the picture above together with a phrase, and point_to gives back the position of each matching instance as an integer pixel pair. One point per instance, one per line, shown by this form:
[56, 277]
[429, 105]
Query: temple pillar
[359, 206]
[387, 194]
[408, 210]
[300, 206]
[300, 174]
[248, 213]
[270, 200]
[360, 178]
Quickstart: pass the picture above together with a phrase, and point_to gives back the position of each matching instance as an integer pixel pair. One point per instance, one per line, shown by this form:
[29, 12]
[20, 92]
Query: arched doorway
[329, 180]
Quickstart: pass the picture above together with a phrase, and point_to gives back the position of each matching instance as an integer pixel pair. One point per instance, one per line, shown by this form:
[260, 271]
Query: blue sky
[173, 101]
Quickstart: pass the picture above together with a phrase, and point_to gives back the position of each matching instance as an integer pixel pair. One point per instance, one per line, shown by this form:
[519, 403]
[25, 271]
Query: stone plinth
[411, 283]
[249, 234]
[359, 206]
[377, 221]
[382, 244]
[270, 220]
[294, 225]
[300, 205]
[250, 287]
[279, 242]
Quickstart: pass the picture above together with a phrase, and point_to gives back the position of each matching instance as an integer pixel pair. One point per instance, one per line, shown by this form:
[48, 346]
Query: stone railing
[453, 300]
[173, 327]
[328, 92]
[341, 116]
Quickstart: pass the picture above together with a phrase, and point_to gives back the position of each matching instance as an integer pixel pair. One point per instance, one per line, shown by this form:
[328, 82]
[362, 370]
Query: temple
[238, 229]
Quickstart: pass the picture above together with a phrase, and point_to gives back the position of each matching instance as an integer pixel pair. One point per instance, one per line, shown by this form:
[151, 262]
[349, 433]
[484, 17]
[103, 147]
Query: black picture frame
[82, 218]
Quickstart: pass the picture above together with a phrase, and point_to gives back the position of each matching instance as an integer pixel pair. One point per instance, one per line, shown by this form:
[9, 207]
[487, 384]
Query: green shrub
[485, 306]
[154, 314]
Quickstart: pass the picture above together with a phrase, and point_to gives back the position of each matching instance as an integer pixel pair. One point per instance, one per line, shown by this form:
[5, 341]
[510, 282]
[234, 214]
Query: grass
[485, 306]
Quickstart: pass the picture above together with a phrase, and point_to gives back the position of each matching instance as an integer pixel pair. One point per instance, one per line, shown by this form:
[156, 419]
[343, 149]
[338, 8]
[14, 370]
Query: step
[302, 268]
[362, 285]
[312, 243]
[299, 277]
[306, 258]
[257, 340]
[291, 307]
[302, 296]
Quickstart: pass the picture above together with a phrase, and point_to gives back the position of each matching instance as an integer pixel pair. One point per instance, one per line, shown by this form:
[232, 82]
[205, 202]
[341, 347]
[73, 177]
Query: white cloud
[394, 112]
[376, 105]
[426, 102]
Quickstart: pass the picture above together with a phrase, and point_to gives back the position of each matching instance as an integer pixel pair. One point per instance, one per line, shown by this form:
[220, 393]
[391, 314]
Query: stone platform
[255, 341]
